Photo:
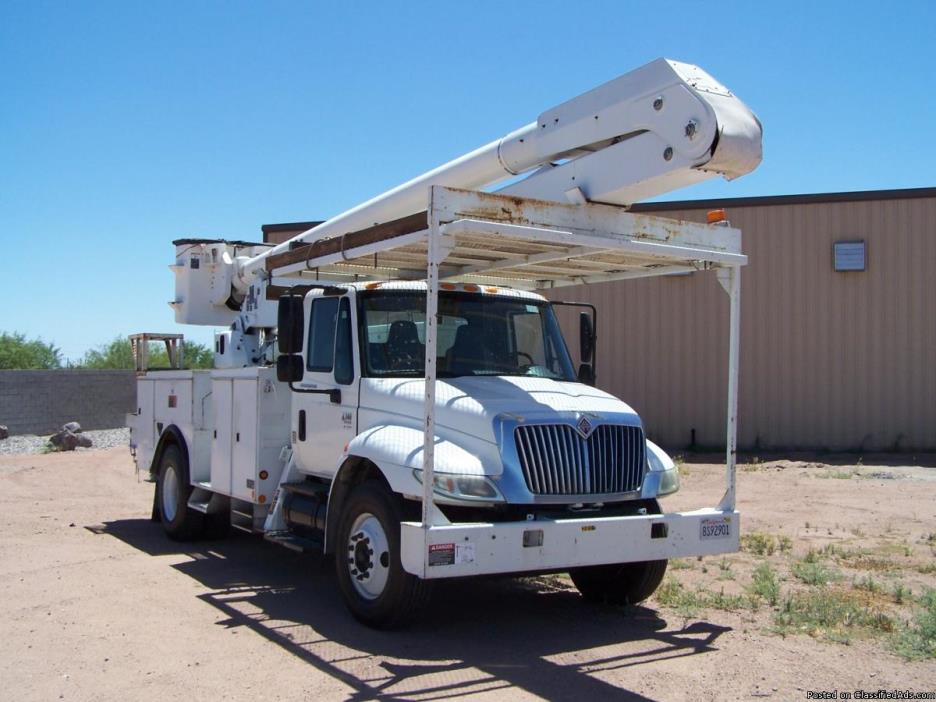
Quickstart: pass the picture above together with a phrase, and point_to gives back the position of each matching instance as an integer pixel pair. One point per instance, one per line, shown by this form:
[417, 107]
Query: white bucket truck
[390, 391]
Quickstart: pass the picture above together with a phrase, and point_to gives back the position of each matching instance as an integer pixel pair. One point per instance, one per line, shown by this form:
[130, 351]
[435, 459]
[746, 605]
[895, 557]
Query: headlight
[669, 482]
[462, 487]
[659, 462]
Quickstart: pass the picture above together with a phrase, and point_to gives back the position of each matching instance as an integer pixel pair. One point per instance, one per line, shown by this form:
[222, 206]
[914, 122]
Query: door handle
[302, 425]
[334, 394]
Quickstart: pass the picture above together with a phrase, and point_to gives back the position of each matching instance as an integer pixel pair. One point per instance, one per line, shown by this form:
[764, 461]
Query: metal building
[838, 327]
[830, 359]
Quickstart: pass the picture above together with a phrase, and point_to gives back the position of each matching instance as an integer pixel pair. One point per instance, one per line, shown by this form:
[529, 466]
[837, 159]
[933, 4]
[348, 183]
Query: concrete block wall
[41, 401]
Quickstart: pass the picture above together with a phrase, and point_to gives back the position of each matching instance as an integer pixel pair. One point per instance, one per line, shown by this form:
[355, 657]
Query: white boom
[660, 127]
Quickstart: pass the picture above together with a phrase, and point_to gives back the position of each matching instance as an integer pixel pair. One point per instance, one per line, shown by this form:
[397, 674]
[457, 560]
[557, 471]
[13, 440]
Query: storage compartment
[251, 412]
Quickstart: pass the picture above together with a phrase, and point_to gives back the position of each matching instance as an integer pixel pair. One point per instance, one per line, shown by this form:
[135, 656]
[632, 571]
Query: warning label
[441, 554]
[450, 554]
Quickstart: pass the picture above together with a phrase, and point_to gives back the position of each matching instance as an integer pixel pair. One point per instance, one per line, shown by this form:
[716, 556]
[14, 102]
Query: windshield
[477, 335]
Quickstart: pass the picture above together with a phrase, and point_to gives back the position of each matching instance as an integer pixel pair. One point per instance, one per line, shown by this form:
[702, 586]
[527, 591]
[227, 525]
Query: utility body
[392, 390]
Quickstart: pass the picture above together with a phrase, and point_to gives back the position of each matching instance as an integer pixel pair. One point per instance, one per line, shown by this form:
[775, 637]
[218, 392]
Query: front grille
[556, 460]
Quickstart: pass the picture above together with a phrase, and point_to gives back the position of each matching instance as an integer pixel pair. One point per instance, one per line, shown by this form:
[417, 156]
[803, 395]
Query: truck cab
[515, 427]
[518, 437]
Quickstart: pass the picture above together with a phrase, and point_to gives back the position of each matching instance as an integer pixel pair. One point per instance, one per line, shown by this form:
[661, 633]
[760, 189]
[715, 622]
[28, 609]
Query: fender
[402, 446]
[171, 434]
[390, 452]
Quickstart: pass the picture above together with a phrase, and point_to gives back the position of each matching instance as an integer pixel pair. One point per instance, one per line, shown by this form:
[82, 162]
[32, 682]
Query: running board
[295, 543]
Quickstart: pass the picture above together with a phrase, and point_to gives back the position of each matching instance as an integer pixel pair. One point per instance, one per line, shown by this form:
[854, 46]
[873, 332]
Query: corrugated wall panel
[828, 360]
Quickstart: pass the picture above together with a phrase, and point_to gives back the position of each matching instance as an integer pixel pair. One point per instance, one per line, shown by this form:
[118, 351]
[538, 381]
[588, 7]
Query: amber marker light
[716, 216]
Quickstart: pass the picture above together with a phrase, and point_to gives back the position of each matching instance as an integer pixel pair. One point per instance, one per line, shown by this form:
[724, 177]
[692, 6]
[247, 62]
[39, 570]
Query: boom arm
[658, 128]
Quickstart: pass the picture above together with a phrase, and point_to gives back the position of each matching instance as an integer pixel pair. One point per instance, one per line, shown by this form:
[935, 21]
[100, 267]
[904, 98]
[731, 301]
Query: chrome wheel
[170, 493]
[368, 556]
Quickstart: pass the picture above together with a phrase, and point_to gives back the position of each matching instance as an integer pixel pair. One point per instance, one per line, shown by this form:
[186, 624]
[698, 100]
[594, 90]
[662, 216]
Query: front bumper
[460, 550]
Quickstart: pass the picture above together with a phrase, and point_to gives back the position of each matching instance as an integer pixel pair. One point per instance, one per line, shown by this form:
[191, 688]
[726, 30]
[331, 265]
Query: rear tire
[172, 495]
[374, 585]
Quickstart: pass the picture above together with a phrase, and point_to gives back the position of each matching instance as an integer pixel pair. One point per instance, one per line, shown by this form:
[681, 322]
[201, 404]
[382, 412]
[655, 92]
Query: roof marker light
[716, 216]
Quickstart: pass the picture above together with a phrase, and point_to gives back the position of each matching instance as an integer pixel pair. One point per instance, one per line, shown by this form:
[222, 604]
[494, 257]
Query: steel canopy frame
[496, 239]
[583, 229]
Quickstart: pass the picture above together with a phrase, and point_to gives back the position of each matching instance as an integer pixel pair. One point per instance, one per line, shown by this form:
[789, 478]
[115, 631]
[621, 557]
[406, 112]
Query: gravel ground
[99, 605]
[32, 444]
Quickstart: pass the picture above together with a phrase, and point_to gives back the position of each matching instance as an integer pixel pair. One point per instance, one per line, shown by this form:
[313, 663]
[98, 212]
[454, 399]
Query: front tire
[172, 494]
[374, 585]
[621, 583]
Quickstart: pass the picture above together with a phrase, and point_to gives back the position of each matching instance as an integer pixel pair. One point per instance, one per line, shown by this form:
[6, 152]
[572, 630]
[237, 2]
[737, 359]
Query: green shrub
[759, 543]
[916, 640]
[830, 614]
[814, 573]
[765, 584]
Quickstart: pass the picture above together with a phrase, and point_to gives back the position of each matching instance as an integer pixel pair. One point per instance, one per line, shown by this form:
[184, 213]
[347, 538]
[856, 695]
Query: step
[293, 542]
[308, 489]
[199, 506]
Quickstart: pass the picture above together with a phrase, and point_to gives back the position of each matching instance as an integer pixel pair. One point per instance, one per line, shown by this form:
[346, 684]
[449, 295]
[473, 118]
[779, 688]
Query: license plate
[715, 528]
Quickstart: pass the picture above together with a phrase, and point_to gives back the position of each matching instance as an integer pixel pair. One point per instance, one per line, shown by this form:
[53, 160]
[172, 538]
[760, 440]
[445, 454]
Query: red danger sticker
[441, 554]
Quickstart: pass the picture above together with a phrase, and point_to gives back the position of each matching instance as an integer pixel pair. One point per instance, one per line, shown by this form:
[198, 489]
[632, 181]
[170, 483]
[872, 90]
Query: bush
[765, 584]
[117, 354]
[812, 572]
[917, 639]
[831, 614]
[19, 353]
[759, 543]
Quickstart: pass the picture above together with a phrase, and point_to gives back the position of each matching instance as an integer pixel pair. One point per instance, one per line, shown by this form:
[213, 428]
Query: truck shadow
[475, 636]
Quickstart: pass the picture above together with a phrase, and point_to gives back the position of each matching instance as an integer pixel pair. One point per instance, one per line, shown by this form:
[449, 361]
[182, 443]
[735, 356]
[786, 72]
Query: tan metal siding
[828, 360]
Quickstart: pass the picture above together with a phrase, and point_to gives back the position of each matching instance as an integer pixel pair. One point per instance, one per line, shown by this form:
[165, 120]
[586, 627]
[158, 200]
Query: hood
[470, 404]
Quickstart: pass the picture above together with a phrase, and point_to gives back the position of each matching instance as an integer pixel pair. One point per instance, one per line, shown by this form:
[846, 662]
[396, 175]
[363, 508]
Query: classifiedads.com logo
[870, 695]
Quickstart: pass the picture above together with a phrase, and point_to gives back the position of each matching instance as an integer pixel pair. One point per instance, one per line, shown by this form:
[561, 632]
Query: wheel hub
[368, 556]
[170, 493]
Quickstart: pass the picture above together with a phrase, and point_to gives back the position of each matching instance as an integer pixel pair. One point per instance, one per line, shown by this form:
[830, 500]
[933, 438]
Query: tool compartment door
[144, 427]
[221, 398]
[244, 446]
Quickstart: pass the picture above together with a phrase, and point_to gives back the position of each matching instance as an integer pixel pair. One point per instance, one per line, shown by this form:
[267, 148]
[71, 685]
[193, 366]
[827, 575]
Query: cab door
[324, 421]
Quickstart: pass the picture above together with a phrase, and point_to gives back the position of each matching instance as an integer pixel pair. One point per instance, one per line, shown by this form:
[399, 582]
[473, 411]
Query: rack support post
[730, 279]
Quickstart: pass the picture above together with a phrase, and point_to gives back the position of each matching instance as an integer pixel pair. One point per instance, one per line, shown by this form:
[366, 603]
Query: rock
[83, 441]
[65, 441]
[72, 427]
[4, 432]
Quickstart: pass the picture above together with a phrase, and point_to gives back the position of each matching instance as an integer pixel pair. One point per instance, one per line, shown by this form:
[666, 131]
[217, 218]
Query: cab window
[321, 353]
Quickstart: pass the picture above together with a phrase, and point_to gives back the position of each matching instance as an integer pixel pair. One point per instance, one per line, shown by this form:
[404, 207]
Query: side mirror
[586, 337]
[290, 324]
[586, 374]
[289, 368]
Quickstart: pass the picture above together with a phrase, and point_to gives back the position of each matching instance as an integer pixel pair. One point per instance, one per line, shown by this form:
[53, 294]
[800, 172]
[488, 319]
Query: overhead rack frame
[475, 237]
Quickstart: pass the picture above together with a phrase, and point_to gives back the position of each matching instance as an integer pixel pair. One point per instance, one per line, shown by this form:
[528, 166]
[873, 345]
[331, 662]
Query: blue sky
[126, 125]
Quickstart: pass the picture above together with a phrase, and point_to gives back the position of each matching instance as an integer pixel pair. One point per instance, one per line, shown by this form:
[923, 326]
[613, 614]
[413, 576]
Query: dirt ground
[98, 605]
